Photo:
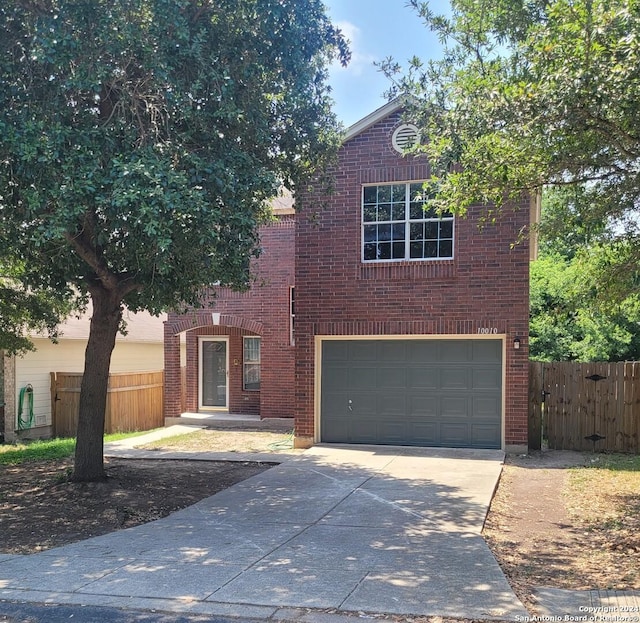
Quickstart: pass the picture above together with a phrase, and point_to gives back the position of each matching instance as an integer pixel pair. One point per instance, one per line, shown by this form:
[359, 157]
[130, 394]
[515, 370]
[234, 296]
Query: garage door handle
[350, 403]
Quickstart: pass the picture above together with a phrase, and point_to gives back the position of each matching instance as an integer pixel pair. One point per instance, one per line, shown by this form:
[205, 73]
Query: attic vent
[405, 137]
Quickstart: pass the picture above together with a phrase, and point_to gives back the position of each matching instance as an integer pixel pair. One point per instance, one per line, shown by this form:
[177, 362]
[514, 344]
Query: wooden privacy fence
[134, 402]
[585, 406]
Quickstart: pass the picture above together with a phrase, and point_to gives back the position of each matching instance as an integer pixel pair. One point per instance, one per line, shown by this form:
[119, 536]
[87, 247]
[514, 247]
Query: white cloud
[360, 60]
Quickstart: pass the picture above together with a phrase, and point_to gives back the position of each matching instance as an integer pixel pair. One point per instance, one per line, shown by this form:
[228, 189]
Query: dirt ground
[532, 528]
[540, 540]
[41, 509]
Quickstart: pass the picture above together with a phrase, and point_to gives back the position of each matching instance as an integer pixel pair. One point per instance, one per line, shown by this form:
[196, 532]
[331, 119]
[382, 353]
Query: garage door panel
[486, 378]
[454, 378]
[454, 406]
[336, 378]
[392, 351]
[395, 432]
[486, 350]
[425, 392]
[423, 433]
[422, 406]
[485, 406]
[363, 404]
[454, 350]
[392, 405]
[363, 351]
[454, 434]
[389, 378]
[362, 377]
[423, 378]
[335, 351]
[423, 351]
[485, 435]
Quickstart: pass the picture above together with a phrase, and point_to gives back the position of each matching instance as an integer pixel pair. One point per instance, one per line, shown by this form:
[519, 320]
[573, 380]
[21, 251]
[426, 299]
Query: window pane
[431, 249]
[398, 250]
[416, 231]
[384, 232]
[384, 251]
[398, 231]
[370, 194]
[446, 229]
[415, 250]
[370, 233]
[384, 194]
[369, 214]
[398, 193]
[370, 251]
[446, 248]
[416, 210]
[252, 376]
[431, 230]
[252, 349]
[384, 212]
[416, 192]
[398, 211]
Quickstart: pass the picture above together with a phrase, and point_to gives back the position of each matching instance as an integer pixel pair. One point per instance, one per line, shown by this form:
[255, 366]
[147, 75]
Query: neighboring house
[141, 349]
[410, 328]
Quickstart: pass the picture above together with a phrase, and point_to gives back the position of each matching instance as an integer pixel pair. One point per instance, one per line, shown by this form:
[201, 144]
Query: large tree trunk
[107, 313]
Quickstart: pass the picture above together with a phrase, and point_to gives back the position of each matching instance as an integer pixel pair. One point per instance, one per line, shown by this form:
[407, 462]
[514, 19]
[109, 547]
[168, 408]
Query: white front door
[214, 366]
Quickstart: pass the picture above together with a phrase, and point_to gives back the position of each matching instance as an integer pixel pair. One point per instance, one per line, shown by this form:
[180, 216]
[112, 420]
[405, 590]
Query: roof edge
[372, 118]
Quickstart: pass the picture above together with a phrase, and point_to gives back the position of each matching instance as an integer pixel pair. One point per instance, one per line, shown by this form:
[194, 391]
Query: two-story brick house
[411, 328]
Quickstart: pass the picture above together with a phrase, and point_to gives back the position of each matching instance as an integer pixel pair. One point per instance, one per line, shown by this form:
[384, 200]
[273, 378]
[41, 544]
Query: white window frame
[246, 363]
[292, 315]
[406, 222]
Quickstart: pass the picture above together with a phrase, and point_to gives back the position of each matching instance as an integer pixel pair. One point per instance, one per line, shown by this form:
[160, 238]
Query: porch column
[172, 380]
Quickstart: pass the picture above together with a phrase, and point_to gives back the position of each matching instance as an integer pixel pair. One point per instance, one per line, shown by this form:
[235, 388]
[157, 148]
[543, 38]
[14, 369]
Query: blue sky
[377, 29]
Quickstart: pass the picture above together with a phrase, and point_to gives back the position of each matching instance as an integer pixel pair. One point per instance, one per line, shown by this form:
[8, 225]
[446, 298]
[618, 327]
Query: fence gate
[587, 406]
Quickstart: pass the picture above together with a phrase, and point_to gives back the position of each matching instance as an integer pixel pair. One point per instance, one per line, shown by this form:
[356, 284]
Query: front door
[213, 373]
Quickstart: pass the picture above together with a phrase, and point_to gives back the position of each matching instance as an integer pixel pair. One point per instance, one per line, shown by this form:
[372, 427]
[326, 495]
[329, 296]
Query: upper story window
[396, 225]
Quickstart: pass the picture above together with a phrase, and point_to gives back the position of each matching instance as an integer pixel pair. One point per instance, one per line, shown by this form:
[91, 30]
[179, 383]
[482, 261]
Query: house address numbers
[487, 330]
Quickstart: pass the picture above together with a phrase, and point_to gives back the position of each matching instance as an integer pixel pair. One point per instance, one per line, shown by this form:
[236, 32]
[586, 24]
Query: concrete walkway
[354, 529]
[357, 529]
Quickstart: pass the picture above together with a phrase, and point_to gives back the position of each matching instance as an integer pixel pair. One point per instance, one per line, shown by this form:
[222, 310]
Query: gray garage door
[412, 392]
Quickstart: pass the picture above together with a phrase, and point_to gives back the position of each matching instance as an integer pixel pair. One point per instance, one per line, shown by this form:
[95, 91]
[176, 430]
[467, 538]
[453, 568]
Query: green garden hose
[285, 444]
[26, 395]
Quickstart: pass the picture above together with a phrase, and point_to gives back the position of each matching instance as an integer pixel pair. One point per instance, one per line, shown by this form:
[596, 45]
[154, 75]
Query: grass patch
[604, 498]
[48, 449]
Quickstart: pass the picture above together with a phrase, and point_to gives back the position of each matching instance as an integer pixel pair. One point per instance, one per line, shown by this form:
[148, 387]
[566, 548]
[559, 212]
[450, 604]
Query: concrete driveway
[373, 529]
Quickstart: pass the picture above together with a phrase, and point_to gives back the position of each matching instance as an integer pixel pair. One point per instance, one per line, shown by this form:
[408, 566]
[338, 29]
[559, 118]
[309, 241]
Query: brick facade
[485, 286]
[263, 311]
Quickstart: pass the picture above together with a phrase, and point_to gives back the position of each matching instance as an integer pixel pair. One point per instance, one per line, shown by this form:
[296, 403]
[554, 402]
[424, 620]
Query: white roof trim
[371, 119]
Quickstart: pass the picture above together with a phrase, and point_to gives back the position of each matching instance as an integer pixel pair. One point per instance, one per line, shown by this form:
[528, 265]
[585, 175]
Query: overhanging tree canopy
[531, 93]
[140, 141]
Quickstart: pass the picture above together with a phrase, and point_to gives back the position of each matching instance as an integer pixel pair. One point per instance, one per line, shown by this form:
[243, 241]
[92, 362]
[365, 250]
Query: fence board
[535, 405]
[576, 407]
[134, 402]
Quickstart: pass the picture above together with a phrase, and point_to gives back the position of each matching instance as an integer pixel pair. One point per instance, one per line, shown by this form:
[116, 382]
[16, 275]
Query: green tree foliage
[140, 142]
[573, 313]
[23, 311]
[531, 93]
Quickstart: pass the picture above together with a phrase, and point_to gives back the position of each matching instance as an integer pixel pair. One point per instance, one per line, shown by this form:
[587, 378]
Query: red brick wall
[484, 286]
[264, 311]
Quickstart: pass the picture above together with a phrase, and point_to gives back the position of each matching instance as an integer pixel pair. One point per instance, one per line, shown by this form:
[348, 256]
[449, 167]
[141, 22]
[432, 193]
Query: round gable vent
[405, 137]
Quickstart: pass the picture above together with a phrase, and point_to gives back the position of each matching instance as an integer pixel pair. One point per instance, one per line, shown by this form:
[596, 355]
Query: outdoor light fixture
[516, 343]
